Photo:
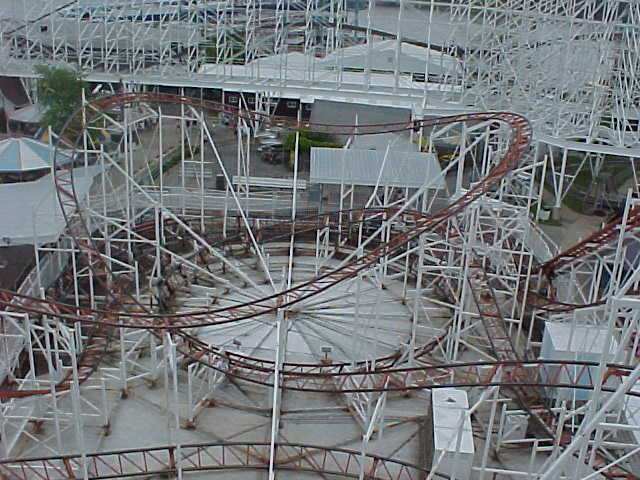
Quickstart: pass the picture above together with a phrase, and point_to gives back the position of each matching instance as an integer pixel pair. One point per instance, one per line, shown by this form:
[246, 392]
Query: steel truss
[152, 269]
[183, 459]
[492, 57]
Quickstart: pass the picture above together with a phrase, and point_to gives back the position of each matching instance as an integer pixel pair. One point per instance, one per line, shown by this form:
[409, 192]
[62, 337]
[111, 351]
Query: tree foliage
[60, 92]
[308, 140]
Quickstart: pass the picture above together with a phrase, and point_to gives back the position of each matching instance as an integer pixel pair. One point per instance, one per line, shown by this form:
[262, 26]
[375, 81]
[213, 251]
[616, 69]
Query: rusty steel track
[519, 142]
[590, 245]
[246, 367]
[211, 457]
[337, 378]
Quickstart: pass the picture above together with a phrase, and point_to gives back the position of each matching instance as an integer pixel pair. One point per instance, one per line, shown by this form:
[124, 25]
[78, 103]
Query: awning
[30, 211]
[29, 114]
[25, 154]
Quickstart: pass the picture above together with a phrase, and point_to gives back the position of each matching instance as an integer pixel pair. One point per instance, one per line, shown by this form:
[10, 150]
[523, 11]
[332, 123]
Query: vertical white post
[398, 53]
[202, 179]
[282, 333]
[76, 405]
[153, 354]
[489, 428]
[53, 380]
[369, 54]
[123, 363]
[130, 173]
[417, 301]
[293, 209]
[563, 170]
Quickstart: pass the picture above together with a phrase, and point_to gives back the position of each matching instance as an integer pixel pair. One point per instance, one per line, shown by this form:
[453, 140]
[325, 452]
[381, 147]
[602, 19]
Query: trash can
[221, 184]
[544, 214]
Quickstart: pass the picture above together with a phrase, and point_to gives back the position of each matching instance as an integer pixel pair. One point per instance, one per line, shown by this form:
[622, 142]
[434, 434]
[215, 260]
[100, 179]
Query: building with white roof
[362, 167]
[296, 66]
[453, 447]
[412, 59]
[564, 341]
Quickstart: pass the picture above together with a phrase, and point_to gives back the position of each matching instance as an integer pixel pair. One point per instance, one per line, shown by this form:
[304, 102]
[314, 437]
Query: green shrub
[308, 140]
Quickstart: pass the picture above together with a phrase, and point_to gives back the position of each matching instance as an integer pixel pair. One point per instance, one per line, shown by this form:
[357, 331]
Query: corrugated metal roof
[362, 167]
[342, 113]
[28, 114]
[413, 58]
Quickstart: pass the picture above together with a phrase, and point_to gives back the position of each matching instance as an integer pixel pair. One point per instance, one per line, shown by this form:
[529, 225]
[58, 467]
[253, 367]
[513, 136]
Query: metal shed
[362, 167]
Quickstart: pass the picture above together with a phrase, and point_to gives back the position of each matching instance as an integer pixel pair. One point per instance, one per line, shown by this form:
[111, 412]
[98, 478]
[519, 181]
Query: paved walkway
[575, 226]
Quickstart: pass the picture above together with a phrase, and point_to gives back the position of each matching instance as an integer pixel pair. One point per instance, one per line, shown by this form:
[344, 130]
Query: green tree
[60, 92]
[309, 139]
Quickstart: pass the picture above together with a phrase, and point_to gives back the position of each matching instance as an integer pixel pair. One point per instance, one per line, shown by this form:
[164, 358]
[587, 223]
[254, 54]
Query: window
[232, 100]
[44, 28]
[292, 104]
